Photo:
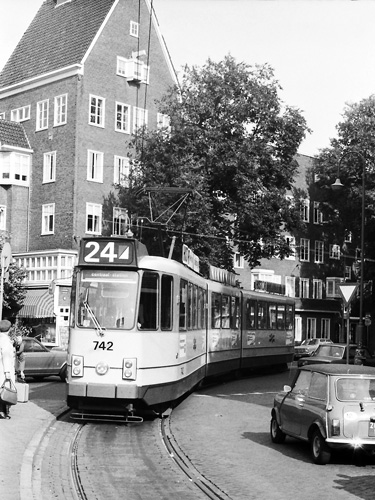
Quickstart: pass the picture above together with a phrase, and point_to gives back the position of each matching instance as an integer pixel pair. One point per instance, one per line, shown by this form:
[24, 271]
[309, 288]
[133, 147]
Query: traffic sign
[347, 291]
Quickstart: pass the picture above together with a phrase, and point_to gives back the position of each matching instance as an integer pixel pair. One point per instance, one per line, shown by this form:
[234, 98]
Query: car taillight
[129, 369]
[335, 427]
[77, 366]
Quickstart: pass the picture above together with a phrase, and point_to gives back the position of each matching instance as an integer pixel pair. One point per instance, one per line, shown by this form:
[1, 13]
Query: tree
[14, 291]
[348, 155]
[231, 143]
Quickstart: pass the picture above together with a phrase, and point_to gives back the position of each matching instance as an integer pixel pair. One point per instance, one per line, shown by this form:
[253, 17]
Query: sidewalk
[19, 439]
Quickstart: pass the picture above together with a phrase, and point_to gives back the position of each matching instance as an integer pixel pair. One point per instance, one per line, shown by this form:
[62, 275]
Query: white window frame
[3, 217]
[305, 211]
[60, 110]
[319, 252]
[48, 218]
[94, 226]
[304, 288]
[96, 111]
[121, 170]
[140, 118]
[311, 328]
[304, 252]
[318, 214]
[20, 114]
[133, 70]
[134, 29]
[292, 245]
[42, 111]
[49, 167]
[348, 273]
[290, 286]
[325, 327]
[122, 111]
[334, 252]
[317, 289]
[95, 160]
[2, 115]
[238, 261]
[21, 168]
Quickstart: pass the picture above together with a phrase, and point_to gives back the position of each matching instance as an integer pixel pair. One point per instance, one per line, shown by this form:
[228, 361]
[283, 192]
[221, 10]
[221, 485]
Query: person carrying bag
[7, 370]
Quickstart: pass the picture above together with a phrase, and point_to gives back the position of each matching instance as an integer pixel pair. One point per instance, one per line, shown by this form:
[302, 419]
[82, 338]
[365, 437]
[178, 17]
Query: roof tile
[13, 134]
[56, 38]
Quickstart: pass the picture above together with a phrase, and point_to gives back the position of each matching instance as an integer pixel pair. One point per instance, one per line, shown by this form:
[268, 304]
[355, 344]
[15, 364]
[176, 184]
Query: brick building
[82, 79]
[312, 273]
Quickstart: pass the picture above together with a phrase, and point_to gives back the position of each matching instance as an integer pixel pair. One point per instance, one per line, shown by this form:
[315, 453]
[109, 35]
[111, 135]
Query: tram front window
[107, 300]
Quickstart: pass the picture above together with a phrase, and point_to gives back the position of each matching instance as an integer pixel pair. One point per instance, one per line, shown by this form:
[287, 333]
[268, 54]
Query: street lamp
[359, 354]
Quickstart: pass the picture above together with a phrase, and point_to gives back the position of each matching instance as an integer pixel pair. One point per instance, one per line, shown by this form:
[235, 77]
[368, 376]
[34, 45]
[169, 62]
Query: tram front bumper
[110, 391]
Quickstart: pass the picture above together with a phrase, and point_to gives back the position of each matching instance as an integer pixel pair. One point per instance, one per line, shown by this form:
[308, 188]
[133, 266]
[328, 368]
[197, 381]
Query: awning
[38, 303]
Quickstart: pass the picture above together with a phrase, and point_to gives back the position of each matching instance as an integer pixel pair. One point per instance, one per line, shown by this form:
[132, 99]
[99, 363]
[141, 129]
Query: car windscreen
[355, 389]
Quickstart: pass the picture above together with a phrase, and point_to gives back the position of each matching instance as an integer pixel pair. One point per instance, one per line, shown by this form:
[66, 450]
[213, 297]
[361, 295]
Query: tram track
[136, 438]
[211, 491]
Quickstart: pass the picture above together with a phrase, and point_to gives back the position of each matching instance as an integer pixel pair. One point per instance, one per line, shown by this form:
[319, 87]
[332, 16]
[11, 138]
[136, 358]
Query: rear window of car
[355, 389]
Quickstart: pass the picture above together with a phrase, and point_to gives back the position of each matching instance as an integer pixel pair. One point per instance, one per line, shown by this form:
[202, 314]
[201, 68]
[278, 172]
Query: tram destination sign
[108, 252]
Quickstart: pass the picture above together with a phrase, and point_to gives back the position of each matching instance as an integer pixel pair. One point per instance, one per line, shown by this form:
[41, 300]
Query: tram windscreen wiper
[98, 327]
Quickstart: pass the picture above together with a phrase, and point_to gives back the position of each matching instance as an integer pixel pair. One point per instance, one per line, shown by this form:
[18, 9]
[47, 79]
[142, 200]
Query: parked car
[42, 362]
[336, 353]
[309, 346]
[330, 406]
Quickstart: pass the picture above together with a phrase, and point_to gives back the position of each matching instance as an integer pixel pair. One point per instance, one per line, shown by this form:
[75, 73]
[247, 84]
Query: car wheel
[321, 452]
[277, 435]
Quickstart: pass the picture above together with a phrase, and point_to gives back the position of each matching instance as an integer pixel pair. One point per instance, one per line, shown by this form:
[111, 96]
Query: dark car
[42, 362]
[330, 406]
[308, 347]
[336, 353]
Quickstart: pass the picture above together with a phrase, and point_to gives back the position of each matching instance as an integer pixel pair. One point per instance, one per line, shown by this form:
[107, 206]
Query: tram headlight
[129, 369]
[77, 366]
[101, 368]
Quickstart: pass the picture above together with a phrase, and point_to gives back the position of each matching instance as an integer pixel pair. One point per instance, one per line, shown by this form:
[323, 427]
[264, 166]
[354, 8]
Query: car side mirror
[287, 388]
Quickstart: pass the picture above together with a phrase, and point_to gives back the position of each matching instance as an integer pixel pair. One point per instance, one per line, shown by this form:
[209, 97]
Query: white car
[308, 347]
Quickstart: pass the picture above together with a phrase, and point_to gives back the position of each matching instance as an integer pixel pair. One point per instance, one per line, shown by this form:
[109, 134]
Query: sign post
[347, 292]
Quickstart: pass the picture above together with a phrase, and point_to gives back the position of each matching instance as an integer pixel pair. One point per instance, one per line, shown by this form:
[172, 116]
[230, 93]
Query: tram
[146, 330]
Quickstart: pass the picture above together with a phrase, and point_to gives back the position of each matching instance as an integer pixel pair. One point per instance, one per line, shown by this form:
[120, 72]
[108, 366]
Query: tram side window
[201, 308]
[262, 315]
[272, 318]
[250, 314]
[225, 311]
[215, 310]
[166, 302]
[148, 306]
[235, 319]
[289, 323]
[190, 306]
[280, 317]
[183, 304]
[195, 303]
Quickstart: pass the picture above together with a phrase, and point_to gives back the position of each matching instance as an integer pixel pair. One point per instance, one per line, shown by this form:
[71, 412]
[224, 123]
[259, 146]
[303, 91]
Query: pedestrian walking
[7, 369]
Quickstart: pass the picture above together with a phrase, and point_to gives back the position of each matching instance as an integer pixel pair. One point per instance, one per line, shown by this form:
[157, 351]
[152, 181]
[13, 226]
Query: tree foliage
[231, 143]
[351, 156]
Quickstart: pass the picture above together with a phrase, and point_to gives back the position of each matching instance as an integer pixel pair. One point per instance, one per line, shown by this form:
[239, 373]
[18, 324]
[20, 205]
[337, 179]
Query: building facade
[82, 80]
[313, 272]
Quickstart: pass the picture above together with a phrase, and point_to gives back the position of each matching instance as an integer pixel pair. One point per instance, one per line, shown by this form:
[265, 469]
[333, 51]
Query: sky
[322, 51]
